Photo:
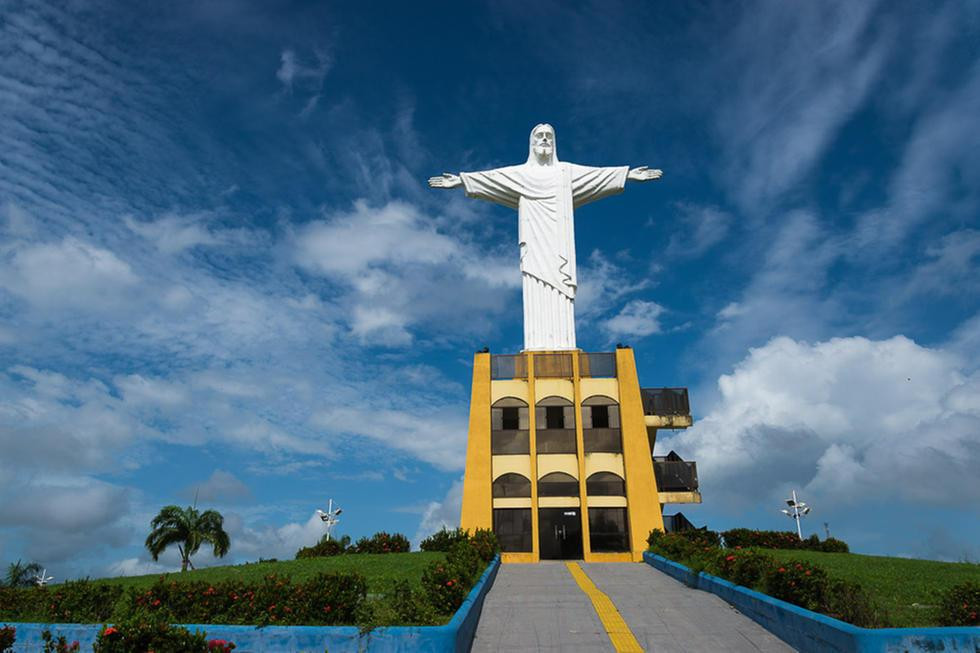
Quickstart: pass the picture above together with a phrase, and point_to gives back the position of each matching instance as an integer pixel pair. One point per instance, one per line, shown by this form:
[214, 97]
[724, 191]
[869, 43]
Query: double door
[560, 533]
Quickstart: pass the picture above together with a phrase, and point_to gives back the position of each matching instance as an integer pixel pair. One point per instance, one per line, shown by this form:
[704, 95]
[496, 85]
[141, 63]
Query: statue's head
[543, 148]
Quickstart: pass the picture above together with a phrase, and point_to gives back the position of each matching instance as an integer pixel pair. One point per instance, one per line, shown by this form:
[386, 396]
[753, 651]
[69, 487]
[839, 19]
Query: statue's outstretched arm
[445, 180]
[642, 173]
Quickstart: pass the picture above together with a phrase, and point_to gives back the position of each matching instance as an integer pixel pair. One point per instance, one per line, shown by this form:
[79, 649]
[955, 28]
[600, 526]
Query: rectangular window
[608, 531]
[600, 417]
[554, 417]
[511, 418]
[512, 526]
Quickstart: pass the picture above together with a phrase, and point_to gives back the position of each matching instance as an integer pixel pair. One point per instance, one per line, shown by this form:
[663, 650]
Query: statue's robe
[545, 197]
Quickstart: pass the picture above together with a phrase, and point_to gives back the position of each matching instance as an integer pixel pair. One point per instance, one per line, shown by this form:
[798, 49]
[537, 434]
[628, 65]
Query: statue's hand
[445, 180]
[644, 173]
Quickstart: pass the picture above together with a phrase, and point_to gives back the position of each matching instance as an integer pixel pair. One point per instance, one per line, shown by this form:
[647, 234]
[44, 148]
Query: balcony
[677, 479]
[666, 408]
[508, 366]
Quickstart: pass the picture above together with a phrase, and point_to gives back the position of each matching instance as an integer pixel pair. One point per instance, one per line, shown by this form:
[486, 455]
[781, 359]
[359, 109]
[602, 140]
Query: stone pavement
[541, 608]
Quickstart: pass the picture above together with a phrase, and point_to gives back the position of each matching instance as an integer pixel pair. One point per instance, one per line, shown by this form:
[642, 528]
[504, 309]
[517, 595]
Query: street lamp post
[796, 510]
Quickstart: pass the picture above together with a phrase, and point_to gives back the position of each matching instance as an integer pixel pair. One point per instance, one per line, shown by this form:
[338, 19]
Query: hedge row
[798, 582]
[325, 599]
[380, 542]
[745, 537]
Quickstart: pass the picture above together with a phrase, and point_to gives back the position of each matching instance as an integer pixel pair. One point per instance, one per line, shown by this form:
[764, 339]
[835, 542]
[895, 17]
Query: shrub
[959, 605]
[744, 567]
[405, 606]
[383, 542]
[325, 599]
[59, 645]
[148, 632]
[851, 603]
[484, 541]
[79, 601]
[797, 582]
[444, 587]
[443, 540]
[8, 635]
[327, 546]
[745, 537]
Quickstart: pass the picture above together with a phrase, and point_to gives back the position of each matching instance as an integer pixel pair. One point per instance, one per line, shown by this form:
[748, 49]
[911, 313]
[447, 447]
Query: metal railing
[676, 475]
[553, 366]
[510, 442]
[602, 441]
[665, 401]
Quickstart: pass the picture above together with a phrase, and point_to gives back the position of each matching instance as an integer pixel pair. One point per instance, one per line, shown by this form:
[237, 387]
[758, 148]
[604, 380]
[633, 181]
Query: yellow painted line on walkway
[619, 633]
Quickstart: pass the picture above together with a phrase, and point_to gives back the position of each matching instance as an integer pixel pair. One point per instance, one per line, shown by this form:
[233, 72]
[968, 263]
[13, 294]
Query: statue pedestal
[558, 461]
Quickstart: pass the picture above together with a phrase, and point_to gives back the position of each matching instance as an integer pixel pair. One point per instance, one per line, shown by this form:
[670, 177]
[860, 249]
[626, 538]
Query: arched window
[554, 421]
[557, 484]
[511, 485]
[605, 484]
[509, 427]
[600, 425]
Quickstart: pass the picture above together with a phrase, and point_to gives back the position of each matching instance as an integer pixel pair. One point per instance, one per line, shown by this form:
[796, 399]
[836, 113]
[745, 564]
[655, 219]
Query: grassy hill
[906, 588]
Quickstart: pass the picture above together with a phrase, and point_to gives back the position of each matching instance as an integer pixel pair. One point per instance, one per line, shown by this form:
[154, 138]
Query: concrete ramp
[541, 607]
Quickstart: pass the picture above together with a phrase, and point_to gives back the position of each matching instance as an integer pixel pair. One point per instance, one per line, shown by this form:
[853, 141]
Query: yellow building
[586, 444]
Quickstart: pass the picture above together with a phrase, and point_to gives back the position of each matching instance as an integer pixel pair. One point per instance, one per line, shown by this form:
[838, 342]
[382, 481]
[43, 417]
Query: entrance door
[560, 533]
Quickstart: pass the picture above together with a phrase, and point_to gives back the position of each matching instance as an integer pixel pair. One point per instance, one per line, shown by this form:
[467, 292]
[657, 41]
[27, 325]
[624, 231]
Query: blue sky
[221, 270]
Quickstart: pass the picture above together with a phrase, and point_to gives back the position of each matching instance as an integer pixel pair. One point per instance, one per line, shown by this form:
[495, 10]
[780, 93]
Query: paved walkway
[541, 608]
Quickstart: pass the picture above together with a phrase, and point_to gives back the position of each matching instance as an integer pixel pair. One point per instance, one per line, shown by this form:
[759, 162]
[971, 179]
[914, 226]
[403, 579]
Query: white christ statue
[545, 191]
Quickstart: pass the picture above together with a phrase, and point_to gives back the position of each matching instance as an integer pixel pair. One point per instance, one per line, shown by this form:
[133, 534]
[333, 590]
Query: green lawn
[904, 587]
[380, 570]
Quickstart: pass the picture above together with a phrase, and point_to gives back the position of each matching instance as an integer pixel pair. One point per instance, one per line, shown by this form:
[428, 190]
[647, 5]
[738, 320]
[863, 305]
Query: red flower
[110, 631]
[157, 602]
[807, 572]
[326, 608]
[449, 583]
[730, 558]
[782, 569]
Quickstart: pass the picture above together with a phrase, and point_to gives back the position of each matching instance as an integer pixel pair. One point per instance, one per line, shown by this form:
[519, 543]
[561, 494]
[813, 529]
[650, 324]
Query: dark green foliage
[960, 605]
[796, 581]
[8, 635]
[745, 537]
[382, 542]
[325, 599]
[443, 540]
[149, 632]
[326, 547]
[59, 644]
[446, 584]
[405, 606]
[485, 542]
[79, 601]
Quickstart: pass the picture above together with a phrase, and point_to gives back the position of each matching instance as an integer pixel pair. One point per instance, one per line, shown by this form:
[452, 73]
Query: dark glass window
[600, 417]
[605, 484]
[557, 484]
[511, 418]
[512, 526]
[608, 532]
[554, 417]
[512, 485]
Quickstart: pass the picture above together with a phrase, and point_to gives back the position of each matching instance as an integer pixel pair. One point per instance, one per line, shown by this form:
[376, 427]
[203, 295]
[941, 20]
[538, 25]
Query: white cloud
[848, 419]
[637, 319]
[137, 567]
[71, 274]
[174, 233]
[280, 542]
[697, 229]
[441, 514]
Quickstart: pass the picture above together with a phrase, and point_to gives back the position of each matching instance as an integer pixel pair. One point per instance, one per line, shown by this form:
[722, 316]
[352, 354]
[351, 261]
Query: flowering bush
[327, 546]
[444, 539]
[745, 537]
[797, 582]
[8, 635]
[484, 541]
[78, 601]
[960, 605]
[59, 645]
[383, 543]
[220, 646]
[323, 600]
[147, 632]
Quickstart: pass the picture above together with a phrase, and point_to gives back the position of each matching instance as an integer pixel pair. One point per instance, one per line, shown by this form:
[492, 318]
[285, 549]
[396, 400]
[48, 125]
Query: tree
[21, 575]
[188, 529]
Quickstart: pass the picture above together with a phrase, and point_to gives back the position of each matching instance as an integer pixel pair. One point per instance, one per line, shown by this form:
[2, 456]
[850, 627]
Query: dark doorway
[560, 533]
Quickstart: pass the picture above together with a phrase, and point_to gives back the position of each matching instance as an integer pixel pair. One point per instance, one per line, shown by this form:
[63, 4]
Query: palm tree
[188, 529]
[21, 575]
